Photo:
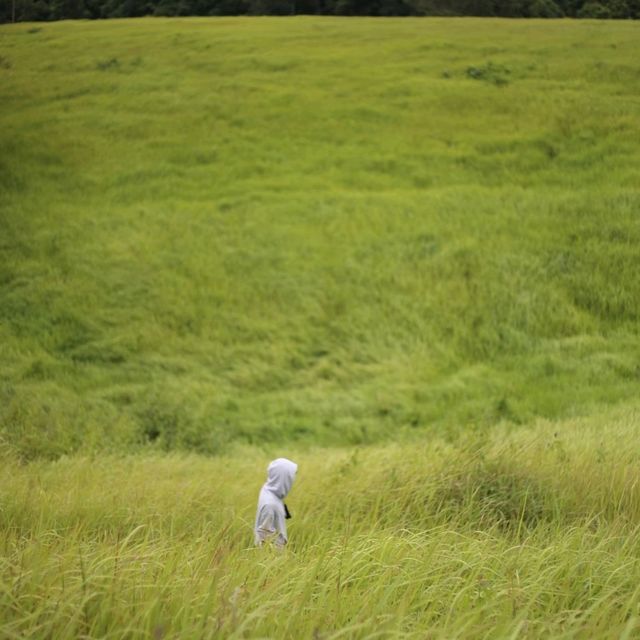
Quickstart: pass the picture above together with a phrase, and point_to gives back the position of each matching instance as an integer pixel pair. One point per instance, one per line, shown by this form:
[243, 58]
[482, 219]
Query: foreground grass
[513, 533]
[325, 230]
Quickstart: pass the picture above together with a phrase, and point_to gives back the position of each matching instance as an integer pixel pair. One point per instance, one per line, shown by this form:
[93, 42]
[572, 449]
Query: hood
[280, 476]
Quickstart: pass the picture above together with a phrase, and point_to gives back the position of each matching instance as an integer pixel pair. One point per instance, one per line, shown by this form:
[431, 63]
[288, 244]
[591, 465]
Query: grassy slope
[250, 229]
[520, 534]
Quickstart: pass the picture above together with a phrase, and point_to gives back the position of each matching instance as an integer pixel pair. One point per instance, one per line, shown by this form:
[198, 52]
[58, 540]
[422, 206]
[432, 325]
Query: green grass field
[513, 534]
[331, 230]
[402, 252]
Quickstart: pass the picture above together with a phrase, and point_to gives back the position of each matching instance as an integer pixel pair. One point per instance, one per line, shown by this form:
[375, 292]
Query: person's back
[272, 512]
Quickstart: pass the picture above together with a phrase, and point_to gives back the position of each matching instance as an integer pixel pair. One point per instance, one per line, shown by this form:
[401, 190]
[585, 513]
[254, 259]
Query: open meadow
[530, 533]
[402, 252]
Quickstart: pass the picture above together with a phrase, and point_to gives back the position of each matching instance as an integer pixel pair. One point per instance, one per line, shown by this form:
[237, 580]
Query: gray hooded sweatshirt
[270, 518]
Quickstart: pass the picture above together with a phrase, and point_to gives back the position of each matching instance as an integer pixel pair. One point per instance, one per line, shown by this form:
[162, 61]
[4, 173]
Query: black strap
[287, 515]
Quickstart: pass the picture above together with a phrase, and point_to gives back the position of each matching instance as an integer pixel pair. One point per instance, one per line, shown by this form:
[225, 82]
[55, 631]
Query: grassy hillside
[334, 231]
[521, 534]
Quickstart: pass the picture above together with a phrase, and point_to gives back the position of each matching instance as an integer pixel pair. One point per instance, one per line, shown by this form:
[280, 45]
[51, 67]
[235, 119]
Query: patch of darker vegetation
[493, 73]
[164, 420]
[5, 63]
[160, 419]
[115, 64]
[104, 352]
[491, 494]
[425, 245]
[112, 64]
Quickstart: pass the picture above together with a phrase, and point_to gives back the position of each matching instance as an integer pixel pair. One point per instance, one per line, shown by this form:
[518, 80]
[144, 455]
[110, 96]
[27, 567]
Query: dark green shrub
[493, 73]
[545, 9]
[594, 10]
[619, 9]
[108, 65]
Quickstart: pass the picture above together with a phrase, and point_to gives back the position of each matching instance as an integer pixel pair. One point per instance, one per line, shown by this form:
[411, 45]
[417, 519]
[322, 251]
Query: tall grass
[333, 231]
[512, 533]
[261, 237]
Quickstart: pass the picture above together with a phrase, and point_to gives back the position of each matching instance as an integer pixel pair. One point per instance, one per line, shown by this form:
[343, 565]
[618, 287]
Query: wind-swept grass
[519, 533]
[333, 231]
[217, 234]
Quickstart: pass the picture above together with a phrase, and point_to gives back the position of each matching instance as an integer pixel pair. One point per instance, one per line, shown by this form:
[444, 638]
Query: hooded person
[272, 512]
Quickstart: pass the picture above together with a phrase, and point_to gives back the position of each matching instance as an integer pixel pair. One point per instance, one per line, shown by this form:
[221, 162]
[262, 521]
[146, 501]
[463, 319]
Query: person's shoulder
[265, 497]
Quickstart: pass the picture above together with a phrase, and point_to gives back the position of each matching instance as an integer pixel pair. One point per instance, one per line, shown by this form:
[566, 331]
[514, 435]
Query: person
[272, 511]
